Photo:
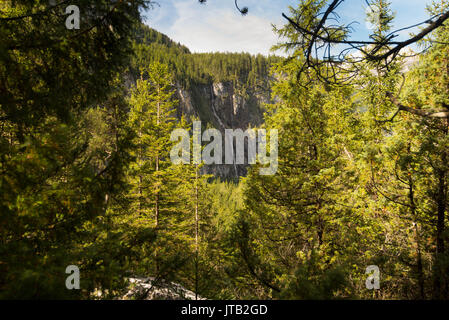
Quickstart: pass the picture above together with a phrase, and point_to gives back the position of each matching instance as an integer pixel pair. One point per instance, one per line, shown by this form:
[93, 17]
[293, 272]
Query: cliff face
[224, 105]
[223, 90]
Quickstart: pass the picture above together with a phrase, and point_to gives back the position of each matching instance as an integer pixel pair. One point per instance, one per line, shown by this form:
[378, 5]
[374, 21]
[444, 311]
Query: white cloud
[206, 29]
[218, 26]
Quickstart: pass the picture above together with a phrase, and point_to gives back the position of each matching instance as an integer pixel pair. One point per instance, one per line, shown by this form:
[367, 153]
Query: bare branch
[243, 10]
[444, 113]
[317, 38]
[434, 25]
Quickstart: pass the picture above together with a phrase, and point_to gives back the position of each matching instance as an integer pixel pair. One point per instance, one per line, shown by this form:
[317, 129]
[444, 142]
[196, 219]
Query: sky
[218, 26]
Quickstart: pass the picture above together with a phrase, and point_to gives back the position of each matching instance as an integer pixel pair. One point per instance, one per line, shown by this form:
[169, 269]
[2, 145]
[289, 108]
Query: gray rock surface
[157, 289]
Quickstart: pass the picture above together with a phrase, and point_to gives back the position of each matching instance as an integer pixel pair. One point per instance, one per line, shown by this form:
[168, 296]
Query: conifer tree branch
[326, 49]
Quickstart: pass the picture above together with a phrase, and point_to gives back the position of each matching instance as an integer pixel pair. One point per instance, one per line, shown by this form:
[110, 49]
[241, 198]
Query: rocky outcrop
[152, 289]
[224, 105]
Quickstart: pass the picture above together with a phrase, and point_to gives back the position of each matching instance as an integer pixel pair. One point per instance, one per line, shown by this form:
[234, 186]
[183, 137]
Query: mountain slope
[223, 90]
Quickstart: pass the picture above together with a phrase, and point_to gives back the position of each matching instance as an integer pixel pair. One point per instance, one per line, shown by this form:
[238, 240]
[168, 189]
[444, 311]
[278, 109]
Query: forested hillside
[223, 90]
[90, 196]
[200, 68]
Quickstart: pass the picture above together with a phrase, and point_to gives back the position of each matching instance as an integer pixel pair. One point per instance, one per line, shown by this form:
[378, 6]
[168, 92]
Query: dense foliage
[86, 177]
[193, 68]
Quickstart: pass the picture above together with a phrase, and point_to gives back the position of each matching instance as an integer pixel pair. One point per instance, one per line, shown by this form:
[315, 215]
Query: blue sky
[218, 26]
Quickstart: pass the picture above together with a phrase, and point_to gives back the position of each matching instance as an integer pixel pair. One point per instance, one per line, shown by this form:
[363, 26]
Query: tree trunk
[196, 233]
[157, 165]
[419, 266]
[439, 274]
[440, 283]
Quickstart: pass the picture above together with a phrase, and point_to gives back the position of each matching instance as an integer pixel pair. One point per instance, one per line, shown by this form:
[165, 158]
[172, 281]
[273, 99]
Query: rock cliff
[223, 105]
